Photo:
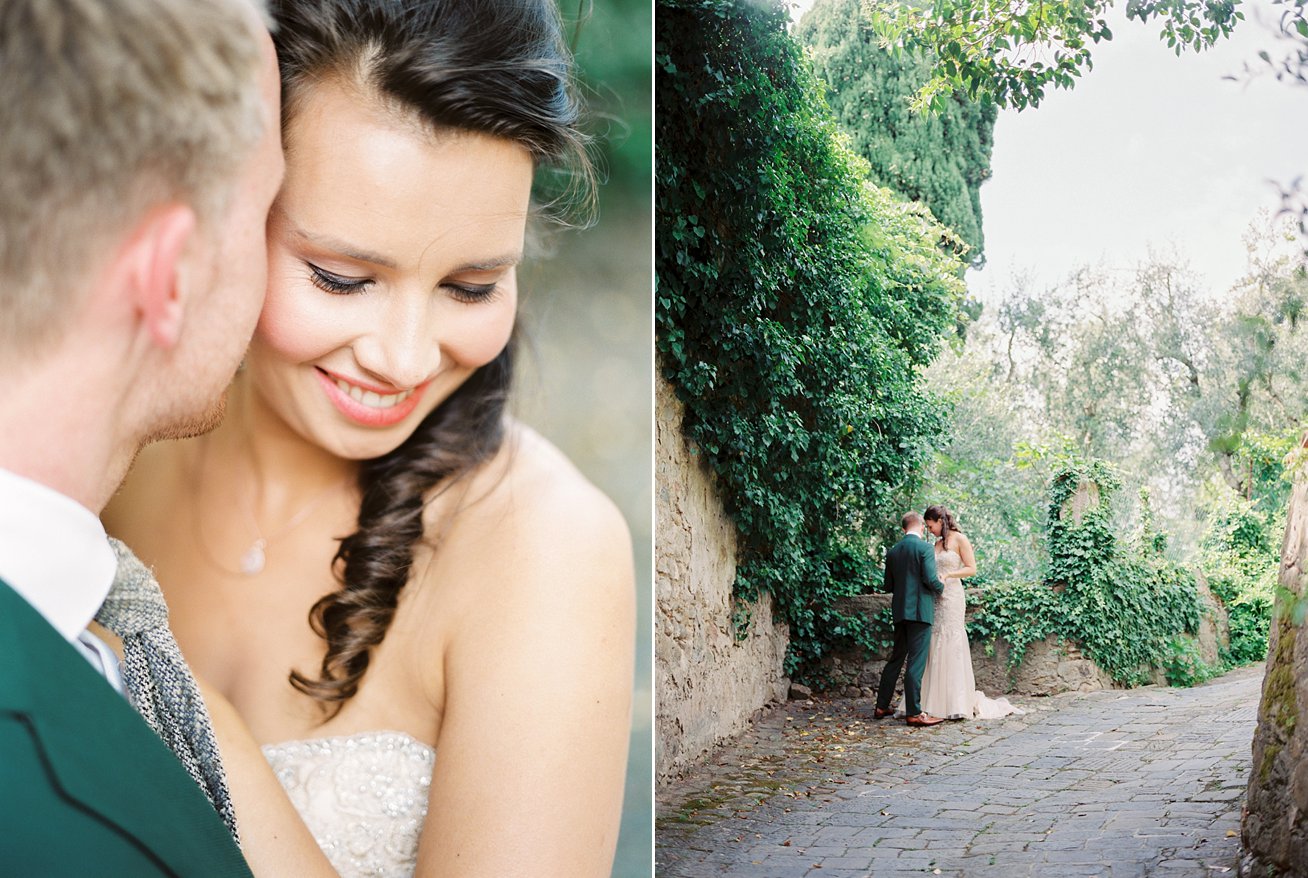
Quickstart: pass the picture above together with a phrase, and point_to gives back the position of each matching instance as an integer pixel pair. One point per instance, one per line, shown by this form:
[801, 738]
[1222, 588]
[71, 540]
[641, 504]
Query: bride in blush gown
[413, 616]
[948, 685]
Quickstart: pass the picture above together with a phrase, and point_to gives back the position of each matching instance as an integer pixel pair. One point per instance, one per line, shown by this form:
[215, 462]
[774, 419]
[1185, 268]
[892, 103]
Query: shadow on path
[1114, 783]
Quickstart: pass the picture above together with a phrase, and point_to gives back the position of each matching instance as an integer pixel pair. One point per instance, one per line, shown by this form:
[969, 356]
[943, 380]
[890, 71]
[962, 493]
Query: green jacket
[910, 576]
[85, 787]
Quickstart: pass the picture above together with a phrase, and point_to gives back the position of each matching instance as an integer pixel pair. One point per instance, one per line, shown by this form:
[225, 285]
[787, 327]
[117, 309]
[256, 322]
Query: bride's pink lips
[366, 415]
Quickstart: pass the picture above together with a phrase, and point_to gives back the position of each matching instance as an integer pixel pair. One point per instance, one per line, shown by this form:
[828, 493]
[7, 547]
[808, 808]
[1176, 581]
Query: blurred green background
[586, 374]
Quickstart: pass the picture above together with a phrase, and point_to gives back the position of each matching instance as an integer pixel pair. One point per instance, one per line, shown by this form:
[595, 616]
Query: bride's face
[391, 275]
[935, 527]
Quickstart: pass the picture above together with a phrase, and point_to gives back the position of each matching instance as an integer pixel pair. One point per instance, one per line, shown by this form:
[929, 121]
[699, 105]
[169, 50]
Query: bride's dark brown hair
[947, 525]
[494, 67]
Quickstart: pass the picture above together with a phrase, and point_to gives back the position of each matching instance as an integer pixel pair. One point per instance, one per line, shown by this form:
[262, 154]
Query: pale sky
[1147, 150]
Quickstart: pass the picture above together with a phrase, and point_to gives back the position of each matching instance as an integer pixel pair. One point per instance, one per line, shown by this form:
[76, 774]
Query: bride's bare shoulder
[529, 515]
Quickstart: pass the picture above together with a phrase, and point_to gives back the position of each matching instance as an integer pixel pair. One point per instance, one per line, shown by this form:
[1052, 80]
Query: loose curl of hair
[494, 67]
[946, 519]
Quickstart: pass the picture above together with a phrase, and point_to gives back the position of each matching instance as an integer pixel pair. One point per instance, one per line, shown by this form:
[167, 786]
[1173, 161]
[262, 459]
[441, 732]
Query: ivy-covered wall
[939, 159]
[795, 302]
[1123, 603]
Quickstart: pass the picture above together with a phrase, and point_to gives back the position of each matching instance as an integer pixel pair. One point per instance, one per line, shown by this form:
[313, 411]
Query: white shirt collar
[54, 553]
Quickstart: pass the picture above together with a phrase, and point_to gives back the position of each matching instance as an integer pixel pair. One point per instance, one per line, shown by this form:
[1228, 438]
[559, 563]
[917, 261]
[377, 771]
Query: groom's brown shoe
[923, 719]
[882, 714]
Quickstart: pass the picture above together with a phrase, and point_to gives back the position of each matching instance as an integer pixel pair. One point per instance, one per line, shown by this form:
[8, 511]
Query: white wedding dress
[364, 797]
[948, 685]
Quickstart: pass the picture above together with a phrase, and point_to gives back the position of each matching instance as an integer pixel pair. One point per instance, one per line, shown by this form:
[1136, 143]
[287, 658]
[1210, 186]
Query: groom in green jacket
[140, 148]
[911, 578]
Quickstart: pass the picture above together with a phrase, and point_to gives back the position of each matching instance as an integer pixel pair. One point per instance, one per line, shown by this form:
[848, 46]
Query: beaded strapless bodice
[947, 562]
[364, 797]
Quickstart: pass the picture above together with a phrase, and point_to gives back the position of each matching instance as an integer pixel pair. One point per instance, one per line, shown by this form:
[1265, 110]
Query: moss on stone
[1270, 752]
[1280, 698]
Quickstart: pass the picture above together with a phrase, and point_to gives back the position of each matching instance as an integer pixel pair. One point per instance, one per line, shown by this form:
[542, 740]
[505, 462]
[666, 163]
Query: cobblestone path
[1116, 783]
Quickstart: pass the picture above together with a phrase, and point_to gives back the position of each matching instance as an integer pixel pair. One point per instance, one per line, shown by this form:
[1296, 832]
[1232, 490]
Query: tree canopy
[1014, 51]
[940, 160]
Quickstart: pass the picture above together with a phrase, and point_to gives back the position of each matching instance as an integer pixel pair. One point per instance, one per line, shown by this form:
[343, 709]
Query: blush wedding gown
[948, 685]
[364, 797]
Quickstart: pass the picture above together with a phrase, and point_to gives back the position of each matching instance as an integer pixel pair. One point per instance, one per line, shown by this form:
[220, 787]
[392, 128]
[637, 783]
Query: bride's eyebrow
[507, 261]
[359, 255]
[345, 249]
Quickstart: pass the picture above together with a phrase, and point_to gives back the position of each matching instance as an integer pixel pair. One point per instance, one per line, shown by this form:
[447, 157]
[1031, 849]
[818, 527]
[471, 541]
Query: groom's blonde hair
[110, 107]
[910, 520]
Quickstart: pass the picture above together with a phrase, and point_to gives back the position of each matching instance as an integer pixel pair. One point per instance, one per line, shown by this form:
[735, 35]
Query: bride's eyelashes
[335, 283]
[471, 294]
[339, 285]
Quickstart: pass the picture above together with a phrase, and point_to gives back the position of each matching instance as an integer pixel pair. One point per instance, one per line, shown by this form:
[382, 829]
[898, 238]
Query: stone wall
[1048, 668]
[1275, 832]
[709, 683]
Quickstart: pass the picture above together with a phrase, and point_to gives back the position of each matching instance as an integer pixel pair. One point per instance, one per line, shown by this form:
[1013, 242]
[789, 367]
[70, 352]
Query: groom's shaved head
[910, 521]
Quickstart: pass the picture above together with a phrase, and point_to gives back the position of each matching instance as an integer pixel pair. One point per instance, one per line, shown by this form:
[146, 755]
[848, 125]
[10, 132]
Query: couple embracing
[928, 604]
[405, 621]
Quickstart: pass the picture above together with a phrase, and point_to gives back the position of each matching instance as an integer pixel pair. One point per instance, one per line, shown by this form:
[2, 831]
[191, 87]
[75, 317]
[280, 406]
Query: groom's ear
[149, 266]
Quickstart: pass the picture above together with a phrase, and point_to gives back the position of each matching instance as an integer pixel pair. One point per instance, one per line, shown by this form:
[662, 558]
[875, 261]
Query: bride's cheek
[291, 328]
[487, 337]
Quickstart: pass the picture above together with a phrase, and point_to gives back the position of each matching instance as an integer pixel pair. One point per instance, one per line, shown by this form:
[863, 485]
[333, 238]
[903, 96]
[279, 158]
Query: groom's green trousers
[912, 639]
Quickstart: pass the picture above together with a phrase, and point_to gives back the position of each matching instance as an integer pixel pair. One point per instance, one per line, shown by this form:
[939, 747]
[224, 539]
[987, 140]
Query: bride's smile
[370, 405]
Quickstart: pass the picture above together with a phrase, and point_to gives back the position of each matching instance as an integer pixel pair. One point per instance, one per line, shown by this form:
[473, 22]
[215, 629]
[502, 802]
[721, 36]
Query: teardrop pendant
[252, 561]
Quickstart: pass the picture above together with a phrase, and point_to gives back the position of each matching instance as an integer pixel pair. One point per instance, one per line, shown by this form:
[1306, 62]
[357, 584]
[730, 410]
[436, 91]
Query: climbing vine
[1240, 557]
[1123, 604]
[795, 303]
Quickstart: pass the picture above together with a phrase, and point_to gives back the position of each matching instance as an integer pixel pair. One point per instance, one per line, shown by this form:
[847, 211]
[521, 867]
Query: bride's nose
[403, 348]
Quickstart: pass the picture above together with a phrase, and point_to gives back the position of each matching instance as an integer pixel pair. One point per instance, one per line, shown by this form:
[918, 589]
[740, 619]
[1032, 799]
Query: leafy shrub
[1019, 613]
[1239, 558]
[795, 303]
[1184, 666]
[1124, 605]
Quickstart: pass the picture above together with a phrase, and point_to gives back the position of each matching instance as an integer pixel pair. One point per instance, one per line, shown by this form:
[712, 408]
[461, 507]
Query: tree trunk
[1275, 832]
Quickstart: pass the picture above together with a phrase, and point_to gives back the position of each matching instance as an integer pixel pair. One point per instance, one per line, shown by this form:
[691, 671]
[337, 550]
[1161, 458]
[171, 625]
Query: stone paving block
[887, 832]
[960, 836]
[824, 851]
[1070, 858]
[853, 819]
[912, 843]
[1011, 871]
[1075, 869]
[910, 859]
[859, 863]
[996, 847]
[1126, 870]
[695, 871]
[784, 868]
[830, 833]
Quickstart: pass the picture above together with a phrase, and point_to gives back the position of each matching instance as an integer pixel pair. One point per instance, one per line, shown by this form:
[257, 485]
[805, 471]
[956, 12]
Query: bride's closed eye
[341, 285]
[334, 283]
[471, 294]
